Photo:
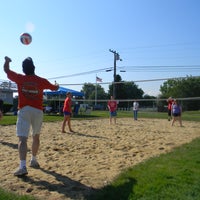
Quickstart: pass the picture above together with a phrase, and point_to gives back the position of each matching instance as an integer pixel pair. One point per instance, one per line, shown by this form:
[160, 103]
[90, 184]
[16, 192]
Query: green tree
[90, 90]
[126, 90]
[87, 89]
[183, 88]
[149, 103]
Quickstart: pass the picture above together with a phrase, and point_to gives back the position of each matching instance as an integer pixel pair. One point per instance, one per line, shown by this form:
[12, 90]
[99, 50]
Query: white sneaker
[34, 164]
[21, 172]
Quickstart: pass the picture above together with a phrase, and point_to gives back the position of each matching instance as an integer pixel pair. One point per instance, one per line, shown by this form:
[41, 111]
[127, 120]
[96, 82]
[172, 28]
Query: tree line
[178, 88]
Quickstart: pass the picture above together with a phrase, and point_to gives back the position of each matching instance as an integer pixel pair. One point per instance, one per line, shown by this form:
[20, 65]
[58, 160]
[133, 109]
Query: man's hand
[7, 59]
[6, 64]
[57, 85]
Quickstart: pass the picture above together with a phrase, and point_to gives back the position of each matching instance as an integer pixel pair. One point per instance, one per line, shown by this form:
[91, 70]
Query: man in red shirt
[30, 109]
[169, 107]
[112, 107]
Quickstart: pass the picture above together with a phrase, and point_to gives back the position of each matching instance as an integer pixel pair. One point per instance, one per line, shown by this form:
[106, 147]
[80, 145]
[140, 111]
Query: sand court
[72, 165]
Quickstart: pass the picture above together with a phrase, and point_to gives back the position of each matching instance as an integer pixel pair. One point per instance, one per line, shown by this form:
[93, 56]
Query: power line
[156, 99]
[161, 66]
[82, 73]
[150, 68]
[136, 81]
[179, 68]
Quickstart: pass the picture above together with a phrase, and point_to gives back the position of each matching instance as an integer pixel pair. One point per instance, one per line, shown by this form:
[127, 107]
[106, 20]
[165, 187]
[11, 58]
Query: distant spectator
[76, 108]
[48, 109]
[135, 109]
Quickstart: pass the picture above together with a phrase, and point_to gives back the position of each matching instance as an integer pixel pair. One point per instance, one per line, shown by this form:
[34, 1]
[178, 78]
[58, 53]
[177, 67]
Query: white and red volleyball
[25, 38]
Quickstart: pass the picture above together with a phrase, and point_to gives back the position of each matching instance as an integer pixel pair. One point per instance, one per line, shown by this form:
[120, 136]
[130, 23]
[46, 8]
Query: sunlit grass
[5, 195]
[170, 176]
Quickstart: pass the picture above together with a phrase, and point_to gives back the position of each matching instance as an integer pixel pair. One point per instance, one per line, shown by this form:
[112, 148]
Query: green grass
[5, 195]
[175, 175]
[10, 119]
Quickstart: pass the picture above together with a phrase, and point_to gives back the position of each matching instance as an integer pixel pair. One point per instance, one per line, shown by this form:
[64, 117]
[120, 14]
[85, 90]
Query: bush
[7, 107]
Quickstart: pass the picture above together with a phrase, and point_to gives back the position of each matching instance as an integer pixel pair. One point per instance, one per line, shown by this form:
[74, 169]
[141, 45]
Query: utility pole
[116, 57]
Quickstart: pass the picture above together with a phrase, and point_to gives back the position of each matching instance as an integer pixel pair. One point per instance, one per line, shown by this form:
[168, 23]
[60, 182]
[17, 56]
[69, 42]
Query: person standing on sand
[67, 110]
[30, 110]
[176, 112]
[112, 107]
[135, 110]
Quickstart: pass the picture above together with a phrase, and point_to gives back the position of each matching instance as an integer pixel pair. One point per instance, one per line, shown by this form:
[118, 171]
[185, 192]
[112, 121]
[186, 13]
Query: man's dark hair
[28, 66]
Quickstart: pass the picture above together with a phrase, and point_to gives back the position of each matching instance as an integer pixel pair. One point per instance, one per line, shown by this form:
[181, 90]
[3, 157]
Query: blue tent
[63, 91]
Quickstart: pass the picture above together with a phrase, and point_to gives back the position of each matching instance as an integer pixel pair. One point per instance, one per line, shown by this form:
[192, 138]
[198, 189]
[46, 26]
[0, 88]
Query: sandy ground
[73, 165]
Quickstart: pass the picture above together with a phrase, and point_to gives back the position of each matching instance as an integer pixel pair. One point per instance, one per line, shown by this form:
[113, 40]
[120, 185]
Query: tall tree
[126, 90]
[90, 90]
[183, 88]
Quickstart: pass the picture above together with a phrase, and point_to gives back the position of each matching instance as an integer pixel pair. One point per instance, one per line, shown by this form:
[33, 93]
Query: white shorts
[29, 117]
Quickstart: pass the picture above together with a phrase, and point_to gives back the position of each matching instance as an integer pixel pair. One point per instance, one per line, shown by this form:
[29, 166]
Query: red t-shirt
[112, 105]
[169, 104]
[67, 105]
[30, 89]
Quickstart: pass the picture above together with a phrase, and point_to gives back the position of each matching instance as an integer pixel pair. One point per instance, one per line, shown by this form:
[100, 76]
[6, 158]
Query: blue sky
[74, 36]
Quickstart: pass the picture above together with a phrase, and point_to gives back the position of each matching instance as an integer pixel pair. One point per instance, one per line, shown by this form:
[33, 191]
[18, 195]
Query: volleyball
[25, 38]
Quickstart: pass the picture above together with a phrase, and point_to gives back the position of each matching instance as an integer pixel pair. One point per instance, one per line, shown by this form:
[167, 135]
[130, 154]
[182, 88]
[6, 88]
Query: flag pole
[96, 92]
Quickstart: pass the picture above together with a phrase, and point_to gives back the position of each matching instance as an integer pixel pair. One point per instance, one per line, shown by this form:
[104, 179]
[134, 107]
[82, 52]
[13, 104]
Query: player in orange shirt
[67, 110]
[30, 109]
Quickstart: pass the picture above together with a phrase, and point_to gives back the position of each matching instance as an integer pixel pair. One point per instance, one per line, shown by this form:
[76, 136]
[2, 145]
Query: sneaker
[21, 172]
[34, 164]
[63, 131]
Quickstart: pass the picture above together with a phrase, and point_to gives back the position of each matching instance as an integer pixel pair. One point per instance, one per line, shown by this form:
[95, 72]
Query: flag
[98, 79]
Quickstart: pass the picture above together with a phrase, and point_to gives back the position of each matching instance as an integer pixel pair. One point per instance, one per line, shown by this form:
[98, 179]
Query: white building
[7, 88]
